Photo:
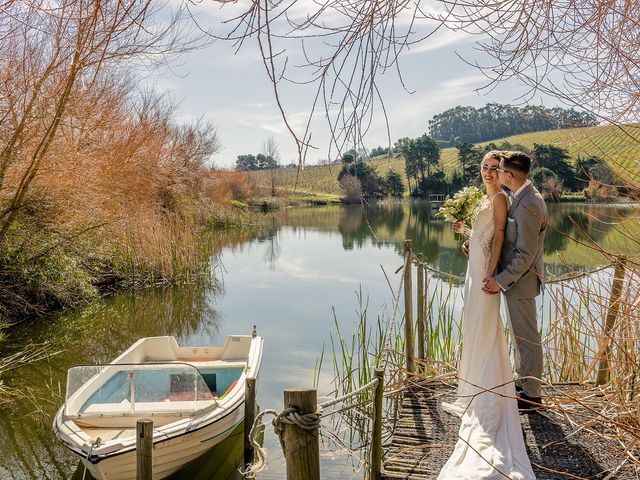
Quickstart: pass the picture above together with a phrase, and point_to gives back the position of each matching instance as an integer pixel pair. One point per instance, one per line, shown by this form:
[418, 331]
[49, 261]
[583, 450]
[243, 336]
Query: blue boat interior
[167, 384]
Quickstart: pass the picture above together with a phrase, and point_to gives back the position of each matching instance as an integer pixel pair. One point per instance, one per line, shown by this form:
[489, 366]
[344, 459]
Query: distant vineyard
[619, 146]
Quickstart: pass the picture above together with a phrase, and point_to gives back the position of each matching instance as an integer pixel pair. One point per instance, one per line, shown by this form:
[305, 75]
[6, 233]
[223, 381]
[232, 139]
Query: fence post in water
[301, 446]
[421, 324]
[376, 437]
[612, 314]
[408, 307]
[144, 449]
[249, 417]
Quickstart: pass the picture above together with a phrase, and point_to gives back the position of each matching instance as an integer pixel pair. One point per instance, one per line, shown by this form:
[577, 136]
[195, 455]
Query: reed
[354, 360]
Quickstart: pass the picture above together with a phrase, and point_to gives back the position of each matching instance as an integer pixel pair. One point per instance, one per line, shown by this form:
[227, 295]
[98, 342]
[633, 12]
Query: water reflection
[573, 227]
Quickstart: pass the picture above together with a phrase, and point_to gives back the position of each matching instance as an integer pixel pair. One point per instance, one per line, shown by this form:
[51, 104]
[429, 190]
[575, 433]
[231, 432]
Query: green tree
[471, 125]
[547, 182]
[394, 184]
[436, 183]
[426, 152]
[469, 157]
[246, 162]
[404, 148]
[556, 159]
[355, 167]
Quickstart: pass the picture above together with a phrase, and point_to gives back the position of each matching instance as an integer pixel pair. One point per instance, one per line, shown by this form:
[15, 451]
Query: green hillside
[620, 146]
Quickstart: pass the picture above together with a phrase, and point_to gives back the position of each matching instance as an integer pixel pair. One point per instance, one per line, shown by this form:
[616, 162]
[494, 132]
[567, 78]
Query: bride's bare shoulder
[501, 202]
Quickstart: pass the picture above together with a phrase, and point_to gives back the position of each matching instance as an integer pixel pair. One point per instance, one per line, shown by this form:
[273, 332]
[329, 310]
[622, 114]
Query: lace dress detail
[482, 231]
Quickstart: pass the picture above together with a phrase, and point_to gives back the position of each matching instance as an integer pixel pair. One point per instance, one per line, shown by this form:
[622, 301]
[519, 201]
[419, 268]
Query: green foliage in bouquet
[462, 206]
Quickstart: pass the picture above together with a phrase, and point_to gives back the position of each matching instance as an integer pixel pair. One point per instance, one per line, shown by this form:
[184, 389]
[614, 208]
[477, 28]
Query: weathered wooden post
[408, 307]
[421, 322]
[612, 314]
[301, 447]
[144, 449]
[249, 417]
[376, 437]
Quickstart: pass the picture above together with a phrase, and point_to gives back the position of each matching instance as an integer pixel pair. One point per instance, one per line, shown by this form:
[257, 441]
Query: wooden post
[376, 437]
[408, 308]
[421, 323]
[612, 314]
[427, 323]
[144, 449]
[302, 449]
[249, 417]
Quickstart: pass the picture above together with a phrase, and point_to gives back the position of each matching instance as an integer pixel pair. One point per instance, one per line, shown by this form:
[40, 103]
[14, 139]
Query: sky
[230, 88]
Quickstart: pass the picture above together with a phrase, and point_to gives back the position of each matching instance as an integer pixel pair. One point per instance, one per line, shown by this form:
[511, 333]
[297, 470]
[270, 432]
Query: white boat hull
[168, 455]
[105, 440]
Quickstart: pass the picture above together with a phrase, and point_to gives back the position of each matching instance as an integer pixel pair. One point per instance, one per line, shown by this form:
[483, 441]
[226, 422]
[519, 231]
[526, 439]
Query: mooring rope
[312, 421]
[291, 416]
[548, 281]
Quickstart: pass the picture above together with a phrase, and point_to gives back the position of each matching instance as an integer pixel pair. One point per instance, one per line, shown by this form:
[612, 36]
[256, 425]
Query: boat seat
[118, 415]
[211, 363]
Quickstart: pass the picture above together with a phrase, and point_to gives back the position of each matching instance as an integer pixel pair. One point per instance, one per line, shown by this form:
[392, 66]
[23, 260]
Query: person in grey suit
[521, 273]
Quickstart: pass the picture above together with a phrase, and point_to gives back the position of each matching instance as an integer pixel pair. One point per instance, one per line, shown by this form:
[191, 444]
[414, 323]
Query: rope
[336, 400]
[548, 281]
[95, 444]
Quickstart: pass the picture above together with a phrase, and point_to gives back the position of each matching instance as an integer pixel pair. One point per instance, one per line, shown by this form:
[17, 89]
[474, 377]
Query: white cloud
[296, 268]
[440, 39]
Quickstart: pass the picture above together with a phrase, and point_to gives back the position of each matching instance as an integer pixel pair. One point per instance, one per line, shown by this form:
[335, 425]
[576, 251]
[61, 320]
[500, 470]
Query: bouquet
[461, 208]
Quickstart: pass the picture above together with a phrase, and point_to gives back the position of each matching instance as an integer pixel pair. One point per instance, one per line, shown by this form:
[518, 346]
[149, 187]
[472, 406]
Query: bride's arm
[500, 209]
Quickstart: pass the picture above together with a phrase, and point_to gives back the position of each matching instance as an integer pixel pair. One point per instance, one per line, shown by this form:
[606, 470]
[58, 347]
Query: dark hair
[518, 161]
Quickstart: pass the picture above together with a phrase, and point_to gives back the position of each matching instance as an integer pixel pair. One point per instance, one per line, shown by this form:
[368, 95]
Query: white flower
[461, 208]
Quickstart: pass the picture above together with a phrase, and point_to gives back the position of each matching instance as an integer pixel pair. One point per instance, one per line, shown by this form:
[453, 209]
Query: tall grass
[354, 360]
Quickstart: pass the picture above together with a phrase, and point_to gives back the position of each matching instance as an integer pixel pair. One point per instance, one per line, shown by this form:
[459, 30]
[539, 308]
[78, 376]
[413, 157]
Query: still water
[292, 280]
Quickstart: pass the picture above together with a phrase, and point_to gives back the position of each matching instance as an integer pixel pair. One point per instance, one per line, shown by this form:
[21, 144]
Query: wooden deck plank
[425, 435]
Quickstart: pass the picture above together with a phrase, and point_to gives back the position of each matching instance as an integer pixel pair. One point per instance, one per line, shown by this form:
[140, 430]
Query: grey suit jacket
[521, 268]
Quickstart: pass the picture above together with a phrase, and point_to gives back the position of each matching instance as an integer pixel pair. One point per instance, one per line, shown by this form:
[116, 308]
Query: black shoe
[527, 403]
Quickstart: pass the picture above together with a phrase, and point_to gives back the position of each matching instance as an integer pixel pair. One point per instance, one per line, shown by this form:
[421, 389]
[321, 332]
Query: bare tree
[271, 151]
[52, 53]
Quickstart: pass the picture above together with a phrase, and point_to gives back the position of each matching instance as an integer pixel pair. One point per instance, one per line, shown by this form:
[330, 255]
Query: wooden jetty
[425, 435]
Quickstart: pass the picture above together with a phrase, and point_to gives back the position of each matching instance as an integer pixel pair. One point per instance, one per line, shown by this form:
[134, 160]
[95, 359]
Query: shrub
[351, 188]
[224, 186]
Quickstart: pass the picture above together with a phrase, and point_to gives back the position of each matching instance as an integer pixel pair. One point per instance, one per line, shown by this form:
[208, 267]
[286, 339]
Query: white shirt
[519, 191]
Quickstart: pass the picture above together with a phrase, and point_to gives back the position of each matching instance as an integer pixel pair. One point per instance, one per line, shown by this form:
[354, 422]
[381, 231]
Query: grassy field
[619, 146]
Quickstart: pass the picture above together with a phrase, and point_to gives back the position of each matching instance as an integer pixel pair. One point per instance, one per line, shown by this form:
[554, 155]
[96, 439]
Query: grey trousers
[528, 346]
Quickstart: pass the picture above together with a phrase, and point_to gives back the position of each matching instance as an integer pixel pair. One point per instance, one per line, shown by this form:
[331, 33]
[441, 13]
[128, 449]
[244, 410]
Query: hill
[619, 146]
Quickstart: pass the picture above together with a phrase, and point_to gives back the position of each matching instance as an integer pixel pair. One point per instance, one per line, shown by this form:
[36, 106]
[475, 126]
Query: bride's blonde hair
[497, 154]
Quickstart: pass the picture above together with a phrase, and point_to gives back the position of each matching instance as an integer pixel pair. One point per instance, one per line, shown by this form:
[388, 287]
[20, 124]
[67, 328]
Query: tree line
[469, 124]
[554, 173]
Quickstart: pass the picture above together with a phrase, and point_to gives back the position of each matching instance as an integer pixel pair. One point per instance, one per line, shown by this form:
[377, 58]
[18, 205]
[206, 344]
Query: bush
[436, 183]
[394, 185]
[223, 185]
[352, 189]
[547, 183]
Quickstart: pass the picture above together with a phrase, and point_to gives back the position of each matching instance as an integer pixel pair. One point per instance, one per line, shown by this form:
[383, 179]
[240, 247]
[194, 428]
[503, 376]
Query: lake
[293, 280]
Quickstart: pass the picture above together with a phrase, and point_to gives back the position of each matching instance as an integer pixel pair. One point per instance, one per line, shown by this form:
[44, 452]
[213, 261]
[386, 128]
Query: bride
[490, 443]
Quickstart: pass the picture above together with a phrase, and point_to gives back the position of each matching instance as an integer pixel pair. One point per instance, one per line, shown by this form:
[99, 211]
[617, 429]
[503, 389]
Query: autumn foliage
[99, 186]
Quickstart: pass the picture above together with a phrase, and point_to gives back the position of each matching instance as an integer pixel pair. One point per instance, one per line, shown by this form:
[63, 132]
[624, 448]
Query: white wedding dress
[490, 443]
